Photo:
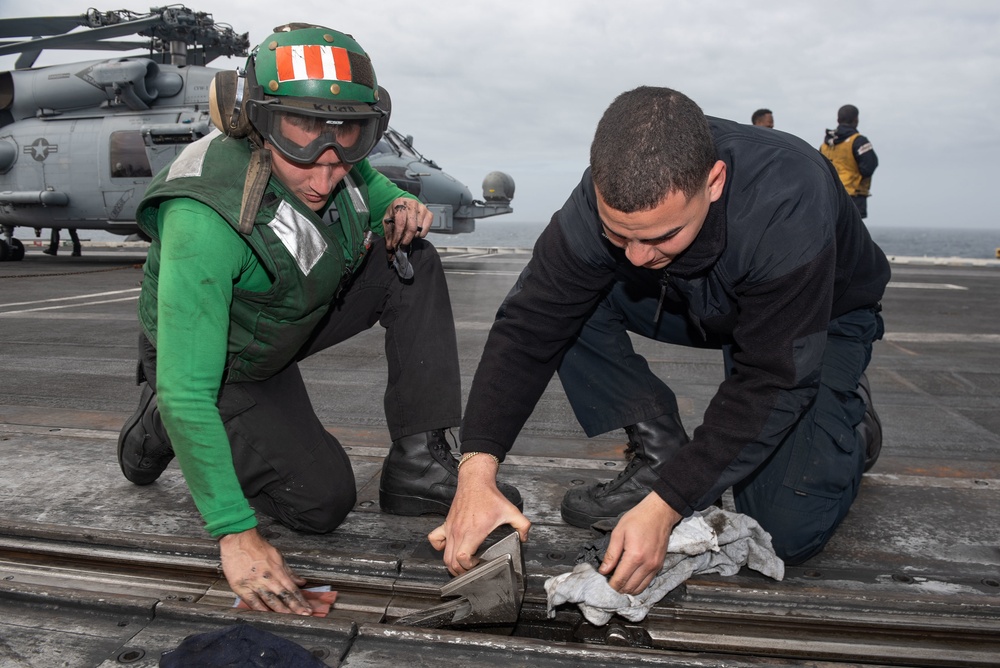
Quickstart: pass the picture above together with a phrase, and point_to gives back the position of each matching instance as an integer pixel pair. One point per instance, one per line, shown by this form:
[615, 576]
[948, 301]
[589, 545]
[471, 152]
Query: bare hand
[477, 510]
[639, 545]
[405, 220]
[258, 574]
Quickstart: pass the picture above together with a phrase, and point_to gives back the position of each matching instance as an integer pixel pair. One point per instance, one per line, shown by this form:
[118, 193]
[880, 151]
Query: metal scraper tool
[489, 593]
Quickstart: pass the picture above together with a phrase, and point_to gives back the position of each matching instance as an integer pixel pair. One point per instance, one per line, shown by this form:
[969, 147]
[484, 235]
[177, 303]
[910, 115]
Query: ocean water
[978, 243]
[904, 241]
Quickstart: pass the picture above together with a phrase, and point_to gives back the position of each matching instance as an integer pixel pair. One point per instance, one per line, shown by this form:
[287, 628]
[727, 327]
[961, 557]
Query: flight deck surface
[95, 571]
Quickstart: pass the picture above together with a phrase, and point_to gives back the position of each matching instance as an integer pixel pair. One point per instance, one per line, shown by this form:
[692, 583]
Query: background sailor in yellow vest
[853, 156]
[272, 239]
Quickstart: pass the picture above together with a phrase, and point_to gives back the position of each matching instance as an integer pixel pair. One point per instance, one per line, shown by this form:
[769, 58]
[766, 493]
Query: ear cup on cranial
[384, 102]
[222, 102]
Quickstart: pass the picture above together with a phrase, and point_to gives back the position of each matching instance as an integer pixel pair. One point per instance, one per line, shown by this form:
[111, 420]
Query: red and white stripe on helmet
[308, 61]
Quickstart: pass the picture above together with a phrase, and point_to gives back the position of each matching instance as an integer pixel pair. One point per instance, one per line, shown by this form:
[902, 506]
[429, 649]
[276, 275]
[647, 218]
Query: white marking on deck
[465, 256]
[926, 286]
[63, 299]
[78, 300]
[985, 484]
[940, 337]
[483, 273]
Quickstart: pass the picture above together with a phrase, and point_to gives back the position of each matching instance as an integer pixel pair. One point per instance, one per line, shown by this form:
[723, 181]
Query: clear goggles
[302, 135]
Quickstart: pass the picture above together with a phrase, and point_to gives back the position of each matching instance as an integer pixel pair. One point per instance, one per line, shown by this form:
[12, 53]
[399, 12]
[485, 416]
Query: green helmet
[323, 82]
[300, 60]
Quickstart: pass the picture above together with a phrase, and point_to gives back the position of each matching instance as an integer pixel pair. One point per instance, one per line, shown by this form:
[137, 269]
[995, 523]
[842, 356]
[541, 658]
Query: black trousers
[861, 201]
[289, 466]
[54, 238]
[802, 492]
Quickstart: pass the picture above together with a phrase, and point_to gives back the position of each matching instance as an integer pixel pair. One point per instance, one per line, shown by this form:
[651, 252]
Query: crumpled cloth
[710, 541]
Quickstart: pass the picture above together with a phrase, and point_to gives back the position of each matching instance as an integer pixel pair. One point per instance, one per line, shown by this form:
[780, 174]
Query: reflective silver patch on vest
[299, 236]
[192, 158]
[360, 206]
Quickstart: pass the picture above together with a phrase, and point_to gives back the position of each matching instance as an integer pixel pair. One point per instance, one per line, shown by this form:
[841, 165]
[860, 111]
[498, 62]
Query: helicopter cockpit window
[407, 151]
[128, 155]
[382, 146]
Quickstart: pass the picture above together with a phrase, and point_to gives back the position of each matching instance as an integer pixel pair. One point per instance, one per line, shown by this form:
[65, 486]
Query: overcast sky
[519, 85]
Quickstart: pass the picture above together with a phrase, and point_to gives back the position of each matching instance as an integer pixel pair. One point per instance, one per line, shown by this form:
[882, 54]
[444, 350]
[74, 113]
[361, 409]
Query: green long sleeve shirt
[202, 260]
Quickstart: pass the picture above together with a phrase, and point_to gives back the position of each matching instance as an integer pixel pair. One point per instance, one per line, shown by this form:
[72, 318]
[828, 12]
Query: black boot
[650, 444]
[420, 475]
[76, 251]
[143, 447]
[871, 426]
[51, 250]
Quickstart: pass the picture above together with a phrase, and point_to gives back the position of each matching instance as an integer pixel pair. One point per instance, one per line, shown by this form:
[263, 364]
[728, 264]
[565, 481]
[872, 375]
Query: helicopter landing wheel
[16, 252]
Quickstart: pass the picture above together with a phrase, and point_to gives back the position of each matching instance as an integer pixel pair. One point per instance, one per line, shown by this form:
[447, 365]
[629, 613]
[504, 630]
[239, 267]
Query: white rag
[710, 541]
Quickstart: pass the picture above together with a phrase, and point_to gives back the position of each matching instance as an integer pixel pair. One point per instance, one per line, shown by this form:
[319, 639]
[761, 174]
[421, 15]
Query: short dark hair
[650, 142]
[848, 114]
[760, 113]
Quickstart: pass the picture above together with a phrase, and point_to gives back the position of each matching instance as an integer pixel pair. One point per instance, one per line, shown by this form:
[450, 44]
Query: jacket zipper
[663, 294]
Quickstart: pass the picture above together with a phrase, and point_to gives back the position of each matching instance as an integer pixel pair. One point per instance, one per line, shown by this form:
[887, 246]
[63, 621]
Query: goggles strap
[258, 173]
[360, 206]
[237, 102]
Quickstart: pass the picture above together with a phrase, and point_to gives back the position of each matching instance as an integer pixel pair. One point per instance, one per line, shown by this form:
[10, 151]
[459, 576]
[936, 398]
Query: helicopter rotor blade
[32, 27]
[100, 46]
[89, 37]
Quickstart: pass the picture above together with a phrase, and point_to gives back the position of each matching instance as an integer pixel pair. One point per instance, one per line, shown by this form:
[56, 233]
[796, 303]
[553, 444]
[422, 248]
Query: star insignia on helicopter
[41, 148]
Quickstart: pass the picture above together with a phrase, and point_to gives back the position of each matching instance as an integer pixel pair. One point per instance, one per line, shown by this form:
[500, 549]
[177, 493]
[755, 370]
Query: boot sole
[876, 423]
[580, 519]
[872, 457]
[410, 506]
[413, 506]
[130, 424]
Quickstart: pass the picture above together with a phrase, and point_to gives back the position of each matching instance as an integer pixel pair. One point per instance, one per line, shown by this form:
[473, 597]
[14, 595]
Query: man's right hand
[258, 574]
[477, 510]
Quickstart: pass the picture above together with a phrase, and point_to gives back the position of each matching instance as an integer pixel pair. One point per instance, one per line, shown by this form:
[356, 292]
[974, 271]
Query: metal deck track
[142, 578]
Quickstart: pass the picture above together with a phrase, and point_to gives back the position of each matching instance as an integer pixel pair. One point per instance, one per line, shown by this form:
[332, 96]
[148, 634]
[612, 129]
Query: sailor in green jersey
[273, 239]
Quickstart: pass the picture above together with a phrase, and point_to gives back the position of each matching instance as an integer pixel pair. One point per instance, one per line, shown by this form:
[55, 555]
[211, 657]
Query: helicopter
[80, 142]
[451, 202]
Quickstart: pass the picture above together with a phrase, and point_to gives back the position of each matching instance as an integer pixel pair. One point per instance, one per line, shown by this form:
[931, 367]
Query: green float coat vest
[842, 157]
[306, 258]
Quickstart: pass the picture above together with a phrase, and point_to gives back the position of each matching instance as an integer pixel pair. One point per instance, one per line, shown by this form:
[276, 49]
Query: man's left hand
[639, 544]
[405, 220]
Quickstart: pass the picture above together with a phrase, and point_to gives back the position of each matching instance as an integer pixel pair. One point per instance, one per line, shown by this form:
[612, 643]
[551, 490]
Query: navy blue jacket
[781, 253]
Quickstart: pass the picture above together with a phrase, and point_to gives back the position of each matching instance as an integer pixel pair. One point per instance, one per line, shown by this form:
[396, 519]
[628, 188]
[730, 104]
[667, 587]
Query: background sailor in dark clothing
[695, 232]
[763, 118]
[853, 156]
[53, 248]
